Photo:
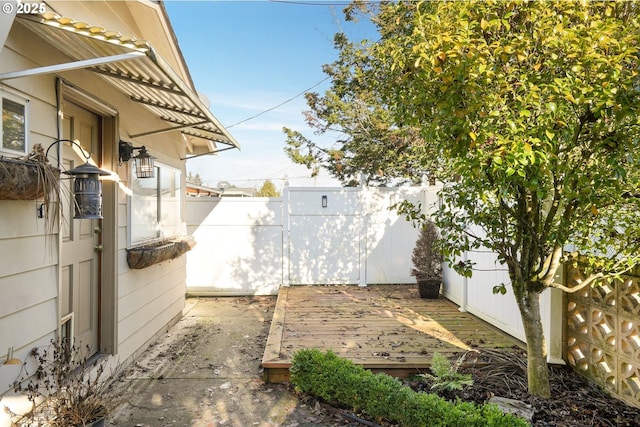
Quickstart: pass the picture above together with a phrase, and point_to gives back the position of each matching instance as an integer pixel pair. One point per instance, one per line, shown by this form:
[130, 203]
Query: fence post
[465, 287]
[553, 333]
[365, 203]
[286, 238]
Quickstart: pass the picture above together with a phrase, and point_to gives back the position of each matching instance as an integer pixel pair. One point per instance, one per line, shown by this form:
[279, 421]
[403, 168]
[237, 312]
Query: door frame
[107, 321]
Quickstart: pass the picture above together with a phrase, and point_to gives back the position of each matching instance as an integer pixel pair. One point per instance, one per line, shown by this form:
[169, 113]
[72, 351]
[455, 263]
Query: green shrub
[340, 381]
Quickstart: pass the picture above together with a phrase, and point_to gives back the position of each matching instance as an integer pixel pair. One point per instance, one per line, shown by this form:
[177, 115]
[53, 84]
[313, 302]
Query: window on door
[13, 129]
[156, 205]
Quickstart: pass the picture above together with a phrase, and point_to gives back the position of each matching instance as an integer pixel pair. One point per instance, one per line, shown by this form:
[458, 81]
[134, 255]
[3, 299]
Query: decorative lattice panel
[630, 297]
[603, 333]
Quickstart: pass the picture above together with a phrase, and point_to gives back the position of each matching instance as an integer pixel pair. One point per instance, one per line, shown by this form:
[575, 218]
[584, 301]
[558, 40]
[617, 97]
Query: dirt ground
[206, 372]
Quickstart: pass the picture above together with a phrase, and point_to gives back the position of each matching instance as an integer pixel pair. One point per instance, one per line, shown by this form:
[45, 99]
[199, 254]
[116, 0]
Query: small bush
[340, 381]
[427, 260]
[445, 376]
[66, 389]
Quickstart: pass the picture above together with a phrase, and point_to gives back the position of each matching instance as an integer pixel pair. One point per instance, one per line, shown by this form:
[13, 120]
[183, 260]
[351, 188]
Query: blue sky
[248, 57]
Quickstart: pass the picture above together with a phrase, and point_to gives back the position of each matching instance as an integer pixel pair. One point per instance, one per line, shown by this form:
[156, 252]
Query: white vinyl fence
[252, 246]
[475, 295]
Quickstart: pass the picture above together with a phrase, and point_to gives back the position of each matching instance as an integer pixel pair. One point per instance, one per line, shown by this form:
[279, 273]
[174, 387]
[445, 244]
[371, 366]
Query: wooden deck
[382, 327]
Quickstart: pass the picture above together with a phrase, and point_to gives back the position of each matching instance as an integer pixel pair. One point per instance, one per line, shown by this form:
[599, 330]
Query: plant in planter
[427, 261]
[32, 177]
[66, 389]
[166, 249]
[29, 177]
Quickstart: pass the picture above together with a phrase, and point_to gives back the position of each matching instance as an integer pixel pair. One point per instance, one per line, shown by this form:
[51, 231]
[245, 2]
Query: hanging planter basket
[154, 253]
[29, 178]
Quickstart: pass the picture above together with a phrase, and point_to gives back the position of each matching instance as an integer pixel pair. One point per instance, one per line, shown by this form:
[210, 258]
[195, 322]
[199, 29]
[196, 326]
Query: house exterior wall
[28, 284]
[249, 246]
[29, 266]
[143, 302]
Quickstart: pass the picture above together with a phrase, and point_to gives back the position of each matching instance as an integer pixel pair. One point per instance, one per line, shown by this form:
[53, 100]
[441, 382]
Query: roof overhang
[137, 70]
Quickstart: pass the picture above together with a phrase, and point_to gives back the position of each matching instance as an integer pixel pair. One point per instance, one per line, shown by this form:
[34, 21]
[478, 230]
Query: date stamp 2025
[23, 8]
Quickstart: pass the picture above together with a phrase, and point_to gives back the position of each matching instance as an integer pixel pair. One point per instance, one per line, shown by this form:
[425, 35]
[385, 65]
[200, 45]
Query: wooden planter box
[154, 253]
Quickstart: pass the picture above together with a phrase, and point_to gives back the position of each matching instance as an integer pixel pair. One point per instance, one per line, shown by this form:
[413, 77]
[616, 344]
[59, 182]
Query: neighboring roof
[137, 70]
[201, 190]
[239, 192]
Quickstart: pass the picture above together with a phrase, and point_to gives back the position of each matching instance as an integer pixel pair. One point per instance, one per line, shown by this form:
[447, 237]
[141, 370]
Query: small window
[13, 132]
[156, 205]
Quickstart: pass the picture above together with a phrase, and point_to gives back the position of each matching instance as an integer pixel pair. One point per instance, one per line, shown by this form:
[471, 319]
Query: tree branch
[592, 278]
[582, 285]
[550, 265]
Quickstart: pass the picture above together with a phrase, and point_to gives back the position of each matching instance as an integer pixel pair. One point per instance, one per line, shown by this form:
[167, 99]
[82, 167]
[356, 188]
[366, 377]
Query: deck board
[382, 327]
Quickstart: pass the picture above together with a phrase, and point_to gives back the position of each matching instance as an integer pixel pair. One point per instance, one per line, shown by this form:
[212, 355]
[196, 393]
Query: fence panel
[239, 246]
[325, 250]
[390, 238]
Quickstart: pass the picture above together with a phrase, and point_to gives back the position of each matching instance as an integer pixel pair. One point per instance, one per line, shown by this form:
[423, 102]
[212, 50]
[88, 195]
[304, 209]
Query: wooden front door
[80, 258]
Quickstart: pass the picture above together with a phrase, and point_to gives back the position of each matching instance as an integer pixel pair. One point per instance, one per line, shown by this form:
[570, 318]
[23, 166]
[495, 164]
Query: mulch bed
[575, 401]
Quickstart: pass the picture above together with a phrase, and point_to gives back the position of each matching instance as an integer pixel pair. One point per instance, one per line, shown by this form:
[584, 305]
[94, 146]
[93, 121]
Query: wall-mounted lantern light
[87, 188]
[324, 201]
[144, 161]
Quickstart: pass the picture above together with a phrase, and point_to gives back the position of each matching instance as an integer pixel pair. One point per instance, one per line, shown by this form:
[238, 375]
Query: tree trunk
[537, 369]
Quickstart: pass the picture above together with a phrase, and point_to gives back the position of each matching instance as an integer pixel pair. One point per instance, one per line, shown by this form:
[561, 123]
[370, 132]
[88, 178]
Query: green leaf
[552, 107]
[500, 289]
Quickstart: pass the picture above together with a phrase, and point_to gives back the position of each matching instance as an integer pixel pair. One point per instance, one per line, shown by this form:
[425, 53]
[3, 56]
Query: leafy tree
[268, 189]
[367, 139]
[534, 108]
[197, 180]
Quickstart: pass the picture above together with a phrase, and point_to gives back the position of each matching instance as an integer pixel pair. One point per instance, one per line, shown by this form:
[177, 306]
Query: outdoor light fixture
[87, 188]
[144, 161]
[324, 201]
